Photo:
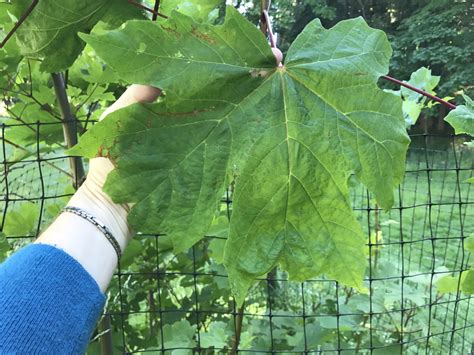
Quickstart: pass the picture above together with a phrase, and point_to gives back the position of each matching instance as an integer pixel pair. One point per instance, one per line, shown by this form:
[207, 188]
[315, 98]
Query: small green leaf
[216, 336]
[469, 244]
[447, 284]
[179, 335]
[421, 79]
[414, 102]
[22, 220]
[462, 118]
[470, 180]
[468, 283]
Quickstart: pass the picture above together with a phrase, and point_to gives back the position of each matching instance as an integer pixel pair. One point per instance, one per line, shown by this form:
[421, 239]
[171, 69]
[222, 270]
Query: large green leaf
[50, 31]
[290, 136]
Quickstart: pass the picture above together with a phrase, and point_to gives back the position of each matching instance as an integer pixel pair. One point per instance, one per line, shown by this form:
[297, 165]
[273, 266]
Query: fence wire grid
[160, 302]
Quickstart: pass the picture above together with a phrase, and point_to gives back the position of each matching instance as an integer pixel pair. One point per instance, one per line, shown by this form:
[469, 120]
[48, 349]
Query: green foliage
[216, 336]
[464, 281]
[50, 32]
[22, 221]
[221, 130]
[438, 36]
[179, 335]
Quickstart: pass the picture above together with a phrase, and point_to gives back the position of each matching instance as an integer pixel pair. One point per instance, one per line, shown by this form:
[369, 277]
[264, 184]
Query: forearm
[49, 303]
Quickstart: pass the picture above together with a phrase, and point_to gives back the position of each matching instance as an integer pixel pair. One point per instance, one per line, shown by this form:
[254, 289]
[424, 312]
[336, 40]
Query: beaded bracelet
[100, 226]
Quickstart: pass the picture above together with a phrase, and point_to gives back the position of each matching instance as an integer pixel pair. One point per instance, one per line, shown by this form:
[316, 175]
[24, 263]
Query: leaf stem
[238, 329]
[268, 28]
[419, 91]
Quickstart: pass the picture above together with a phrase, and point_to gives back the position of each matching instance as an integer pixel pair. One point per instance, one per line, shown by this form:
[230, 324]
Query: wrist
[92, 199]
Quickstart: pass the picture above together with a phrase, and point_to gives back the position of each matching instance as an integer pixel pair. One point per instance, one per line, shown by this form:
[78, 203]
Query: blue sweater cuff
[48, 302]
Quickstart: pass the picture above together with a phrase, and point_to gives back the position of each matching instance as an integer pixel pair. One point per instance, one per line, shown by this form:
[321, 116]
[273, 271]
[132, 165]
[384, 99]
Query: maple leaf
[291, 136]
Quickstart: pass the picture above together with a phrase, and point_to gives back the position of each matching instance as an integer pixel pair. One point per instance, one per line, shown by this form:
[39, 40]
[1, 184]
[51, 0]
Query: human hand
[90, 195]
[77, 236]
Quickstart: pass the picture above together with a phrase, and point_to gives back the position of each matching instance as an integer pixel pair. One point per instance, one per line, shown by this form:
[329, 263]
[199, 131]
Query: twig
[18, 24]
[26, 150]
[18, 118]
[69, 128]
[86, 99]
[419, 91]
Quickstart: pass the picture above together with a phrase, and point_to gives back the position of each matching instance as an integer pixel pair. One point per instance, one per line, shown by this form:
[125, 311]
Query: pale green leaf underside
[292, 136]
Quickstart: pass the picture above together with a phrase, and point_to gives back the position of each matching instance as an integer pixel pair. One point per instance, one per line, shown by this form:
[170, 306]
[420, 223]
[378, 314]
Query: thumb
[135, 93]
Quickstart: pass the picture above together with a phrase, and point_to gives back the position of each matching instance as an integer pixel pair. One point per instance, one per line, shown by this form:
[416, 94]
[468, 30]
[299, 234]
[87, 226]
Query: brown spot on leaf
[104, 152]
[202, 36]
[189, 113]
[172, 31]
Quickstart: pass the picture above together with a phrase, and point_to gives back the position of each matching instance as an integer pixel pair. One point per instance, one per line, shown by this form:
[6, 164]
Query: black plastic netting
[161, 302]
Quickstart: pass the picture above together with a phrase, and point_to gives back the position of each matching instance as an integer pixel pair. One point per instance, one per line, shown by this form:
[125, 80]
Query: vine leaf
[50, 31]
[414, 102]
[291, 136]
[462, 118]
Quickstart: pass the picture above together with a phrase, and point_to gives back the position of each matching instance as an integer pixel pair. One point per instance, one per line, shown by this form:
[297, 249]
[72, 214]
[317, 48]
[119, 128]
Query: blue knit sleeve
[49, 304]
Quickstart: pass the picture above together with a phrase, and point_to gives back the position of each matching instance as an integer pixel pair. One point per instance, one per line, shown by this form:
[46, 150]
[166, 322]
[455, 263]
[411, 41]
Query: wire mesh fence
[162, 302]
